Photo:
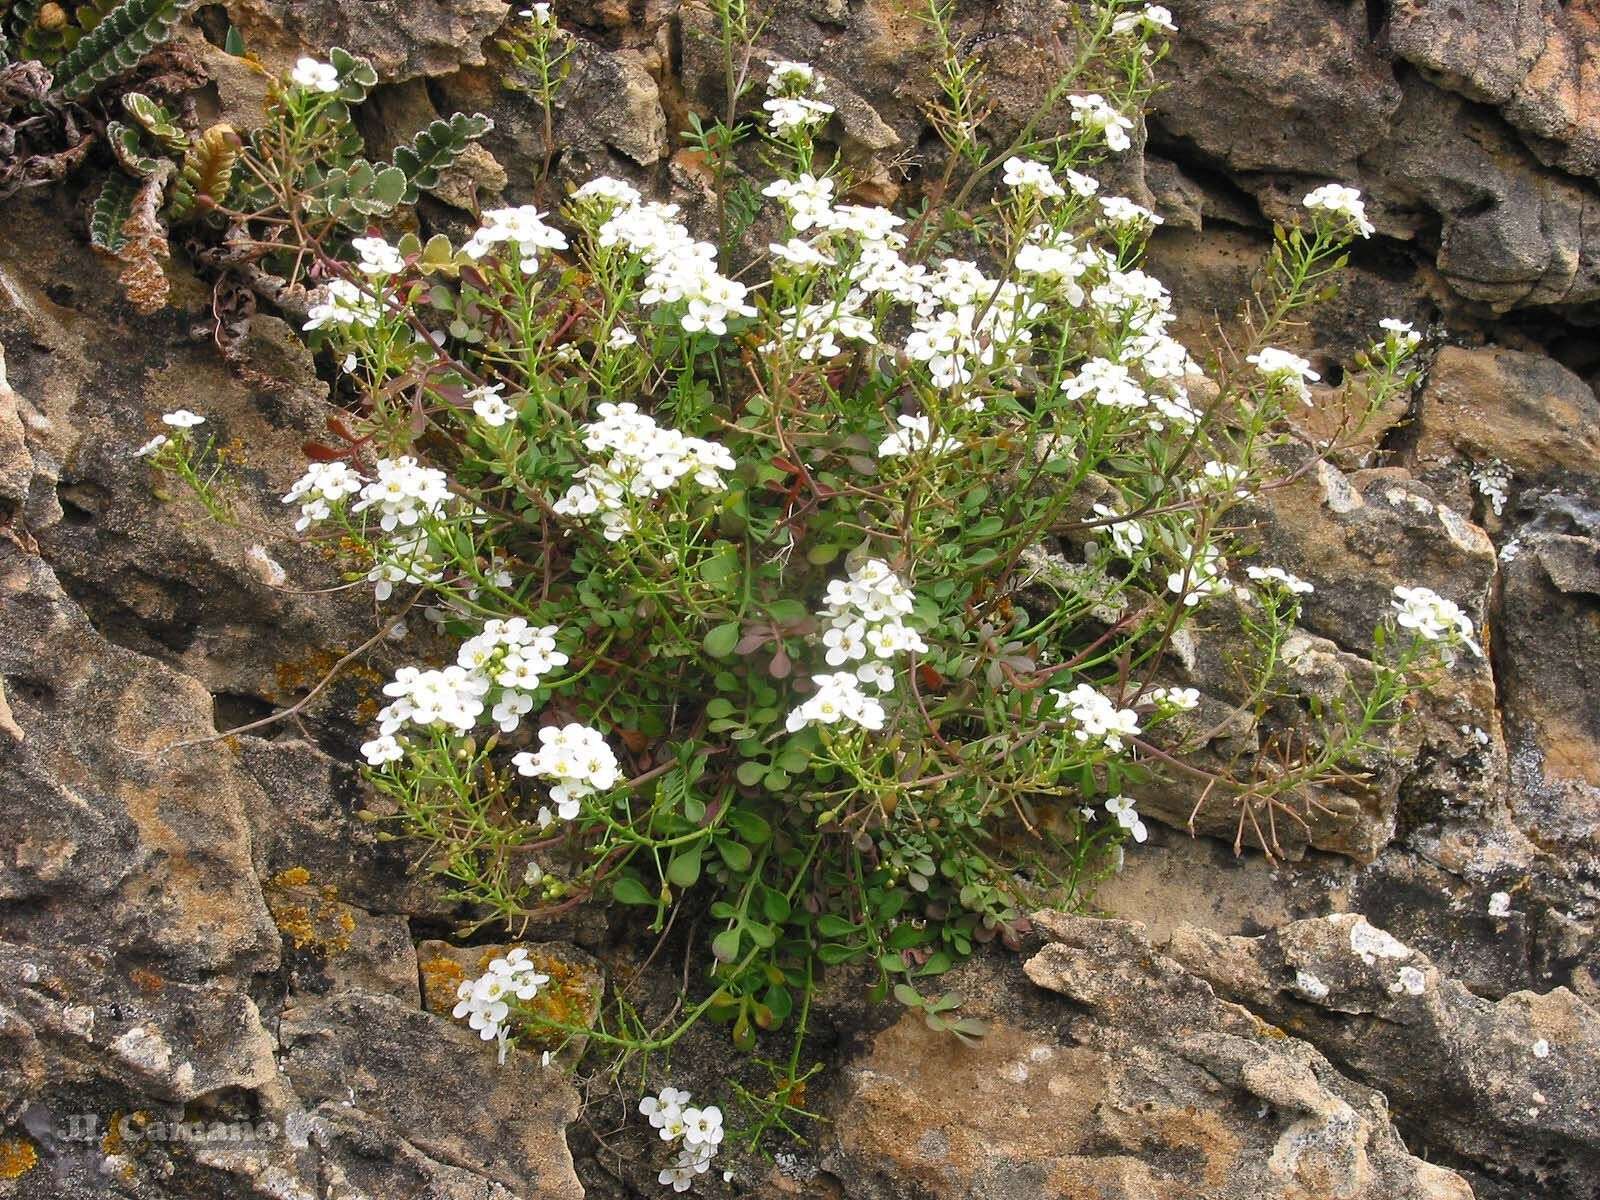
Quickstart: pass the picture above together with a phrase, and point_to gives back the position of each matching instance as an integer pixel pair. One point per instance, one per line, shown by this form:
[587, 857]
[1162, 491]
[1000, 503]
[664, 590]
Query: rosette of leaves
[85, 45]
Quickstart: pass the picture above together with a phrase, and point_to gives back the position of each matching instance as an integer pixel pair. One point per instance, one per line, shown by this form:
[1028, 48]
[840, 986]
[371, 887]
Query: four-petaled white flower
[490, 406]
[1027, 176]
[1283, 369]
[1341, 202]
[182, 419]
[315, 76]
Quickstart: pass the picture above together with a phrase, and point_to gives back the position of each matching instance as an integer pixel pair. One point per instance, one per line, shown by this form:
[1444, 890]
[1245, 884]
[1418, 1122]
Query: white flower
[450, 699]
[1432, 616]
[1285, 370]
[343, 303]
[1541, 1048]
[1500, 904]
[702, 1126]
[1096, 116]
[1027, 176]
[1150, 17]
[1121, 212]
[838, 697]
[797, 252]
[315, 76]
[1400, 332]
[1097, 718]
[790, 78]
[620, 338]
[183, 419]
[1342, 202]
[1121, 807]
[484, 1002]
[1279, 577]
[489, 406]
[913, 436]
[1178, 699]
[383, 749]
[378, 257]
[664, 1109]
[787, 114]
[150, 447]
[1108, 383]
[576, 760]
[323, 486]
[808, 199]
[523, 228]
[404, 493]
[539, 14]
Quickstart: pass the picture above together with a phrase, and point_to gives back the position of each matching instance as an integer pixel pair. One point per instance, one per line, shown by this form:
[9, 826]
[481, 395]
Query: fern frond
[207, 172]
[111, 208]
[434, 149]
[117, 43]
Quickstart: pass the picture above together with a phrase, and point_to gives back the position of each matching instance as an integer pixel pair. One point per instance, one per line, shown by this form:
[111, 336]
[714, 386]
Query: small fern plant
[303, 174]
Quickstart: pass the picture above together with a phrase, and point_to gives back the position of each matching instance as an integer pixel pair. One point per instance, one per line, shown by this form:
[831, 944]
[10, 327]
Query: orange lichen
[292, 878]
[321, 924]
[440, 978]
[17, 1157]
[566, 1000]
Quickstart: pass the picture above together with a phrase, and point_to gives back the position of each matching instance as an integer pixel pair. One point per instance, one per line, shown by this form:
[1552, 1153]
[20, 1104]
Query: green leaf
[628, 890]
[832, 953]
[726, 945]
[750, 773]
[908, 995]
[684, 867]
[831, 926]
[736, 856]
[749, 826]
[721, 640]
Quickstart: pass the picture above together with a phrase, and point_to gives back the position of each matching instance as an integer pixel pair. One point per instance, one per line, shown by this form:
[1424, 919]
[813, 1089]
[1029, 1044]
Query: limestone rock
[402, 38]
[1510, 1086]
[375, 1068]
[1144, 1084]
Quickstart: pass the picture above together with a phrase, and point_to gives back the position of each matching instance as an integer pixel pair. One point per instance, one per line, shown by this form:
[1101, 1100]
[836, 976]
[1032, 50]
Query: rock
[1267, 86]
[1144, 1084]
[402, 38]
[1548, 640]
[1534, 59]
[1509, 1086]
[378, 1072]
[115, 840]
[1525, 412]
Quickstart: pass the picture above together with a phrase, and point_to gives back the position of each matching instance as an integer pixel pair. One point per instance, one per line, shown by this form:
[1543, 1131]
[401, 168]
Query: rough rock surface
[1142, 1083]
[216, 932]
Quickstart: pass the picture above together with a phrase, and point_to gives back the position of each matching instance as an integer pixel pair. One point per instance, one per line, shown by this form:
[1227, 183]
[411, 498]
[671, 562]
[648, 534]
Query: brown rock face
[1145, 1084]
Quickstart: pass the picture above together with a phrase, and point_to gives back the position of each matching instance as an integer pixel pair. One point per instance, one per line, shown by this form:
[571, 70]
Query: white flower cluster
[1400, 333]
[1342, 203]
[1031, 178]
[645, 460]
[1097, 718]
[958, 328]
[448, 699]
[865, 629]
[1147, 19]
[404, 493]
[483, 1001]
[681, 270]
[181, 420]
[1095, 115]
[791, 102]
[1432, 616]
[1282, 369]
[523, 228]
[1278, 577]
[1201, 574]
[343, 304]
[323, 486]
[378, 257]
[1174, 699]
[576, 760]
[699, 1128]
[516, 657]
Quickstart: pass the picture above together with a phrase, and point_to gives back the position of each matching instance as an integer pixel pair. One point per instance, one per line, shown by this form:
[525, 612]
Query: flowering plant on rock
[827, 585]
